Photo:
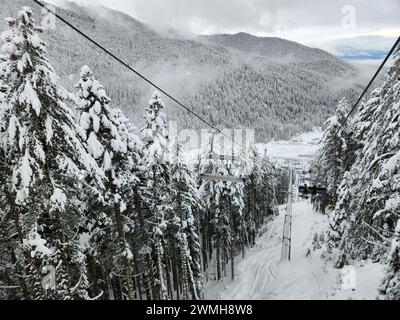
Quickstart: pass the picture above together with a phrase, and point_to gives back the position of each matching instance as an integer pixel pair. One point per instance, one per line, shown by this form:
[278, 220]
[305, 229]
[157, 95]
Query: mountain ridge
[255, 44]
[227, 86]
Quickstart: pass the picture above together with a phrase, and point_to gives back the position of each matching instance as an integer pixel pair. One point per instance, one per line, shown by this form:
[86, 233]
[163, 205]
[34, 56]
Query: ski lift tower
[287, 228]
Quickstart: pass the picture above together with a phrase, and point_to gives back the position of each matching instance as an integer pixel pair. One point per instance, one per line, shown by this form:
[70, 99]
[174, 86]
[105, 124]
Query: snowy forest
[87, 198]
[98, 201]
[360, 164]
[289, 87]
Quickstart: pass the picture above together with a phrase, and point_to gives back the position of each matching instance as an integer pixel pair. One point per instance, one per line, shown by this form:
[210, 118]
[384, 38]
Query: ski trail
[258, 272]
[261, 275]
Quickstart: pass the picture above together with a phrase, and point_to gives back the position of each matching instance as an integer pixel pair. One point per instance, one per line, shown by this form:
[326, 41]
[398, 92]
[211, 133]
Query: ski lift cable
[133, 70]
[365, 90]
[370, 83]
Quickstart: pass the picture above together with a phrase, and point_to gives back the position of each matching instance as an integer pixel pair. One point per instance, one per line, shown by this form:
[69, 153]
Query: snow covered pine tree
[332, 151]
[156, 197]
[366, 215]
[43, 161]
[183, 234]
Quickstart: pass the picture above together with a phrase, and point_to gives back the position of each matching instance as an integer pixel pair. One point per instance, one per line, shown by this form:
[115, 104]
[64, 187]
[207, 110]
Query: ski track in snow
[262, 276]
[263, 261]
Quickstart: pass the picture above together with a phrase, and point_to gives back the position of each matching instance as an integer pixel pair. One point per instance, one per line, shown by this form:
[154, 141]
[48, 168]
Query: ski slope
[262, 276]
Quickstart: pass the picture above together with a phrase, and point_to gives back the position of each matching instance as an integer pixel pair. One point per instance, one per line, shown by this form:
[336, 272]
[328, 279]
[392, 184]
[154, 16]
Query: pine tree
[252, 194]
[339, 222]
[156, 195]
[268, 185]
[350, 190]
[43, 161]
[390, 286]
[332, 154]
[366, 212]
[183, 228]
[106, 136]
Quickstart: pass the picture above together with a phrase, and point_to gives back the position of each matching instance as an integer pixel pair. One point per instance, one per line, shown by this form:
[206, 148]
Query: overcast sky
[328, 24]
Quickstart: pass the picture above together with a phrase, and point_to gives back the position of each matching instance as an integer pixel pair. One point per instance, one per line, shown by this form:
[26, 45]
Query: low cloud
[312, 22]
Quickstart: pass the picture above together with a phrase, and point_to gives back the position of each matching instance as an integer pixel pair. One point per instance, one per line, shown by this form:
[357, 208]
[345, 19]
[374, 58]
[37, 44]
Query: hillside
[273, 85]
[269, 47]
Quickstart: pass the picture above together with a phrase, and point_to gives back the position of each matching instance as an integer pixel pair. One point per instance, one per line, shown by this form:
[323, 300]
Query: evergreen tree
[183, 232]
[332, 153]
[156, 195]
[339, 222]
[252, 194]
[366, 213]
[43, 159]
[106, 136]
[351, 189]
[268, 185]
[390, 287]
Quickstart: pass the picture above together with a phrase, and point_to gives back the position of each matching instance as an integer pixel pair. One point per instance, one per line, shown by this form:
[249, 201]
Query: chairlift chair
[222, 161]
[311, 187]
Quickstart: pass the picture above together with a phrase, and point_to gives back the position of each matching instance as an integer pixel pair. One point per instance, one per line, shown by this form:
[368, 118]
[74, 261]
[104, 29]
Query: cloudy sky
[354, 29]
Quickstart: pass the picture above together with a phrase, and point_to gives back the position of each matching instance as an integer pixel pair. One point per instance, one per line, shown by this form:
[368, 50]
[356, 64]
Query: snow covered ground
[301, 147]
[261, 275]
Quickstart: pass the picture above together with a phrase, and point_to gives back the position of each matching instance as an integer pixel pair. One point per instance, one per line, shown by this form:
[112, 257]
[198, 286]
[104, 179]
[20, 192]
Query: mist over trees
[89, 209]
[98, 201]
[361, 165]
[280, 90]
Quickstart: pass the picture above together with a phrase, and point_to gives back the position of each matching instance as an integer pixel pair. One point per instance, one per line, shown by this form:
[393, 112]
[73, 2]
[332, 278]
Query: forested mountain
[93, 208]
[89, 209]
[265, 83]
[270, 47]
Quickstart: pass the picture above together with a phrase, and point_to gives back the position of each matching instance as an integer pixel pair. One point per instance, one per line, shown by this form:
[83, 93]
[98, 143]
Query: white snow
[35, 41]
[30, 97]
[37, 245]
[301, 147]
[12, 128]
[95, 148]
[24, 174]
[128, 253]
[96, 122]
[39, 152]
[261, 275]
[85, 121]
[85, 71]
[97, 107]
[107, 161]
[84, 240]
[49, 129]
[58, 200]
